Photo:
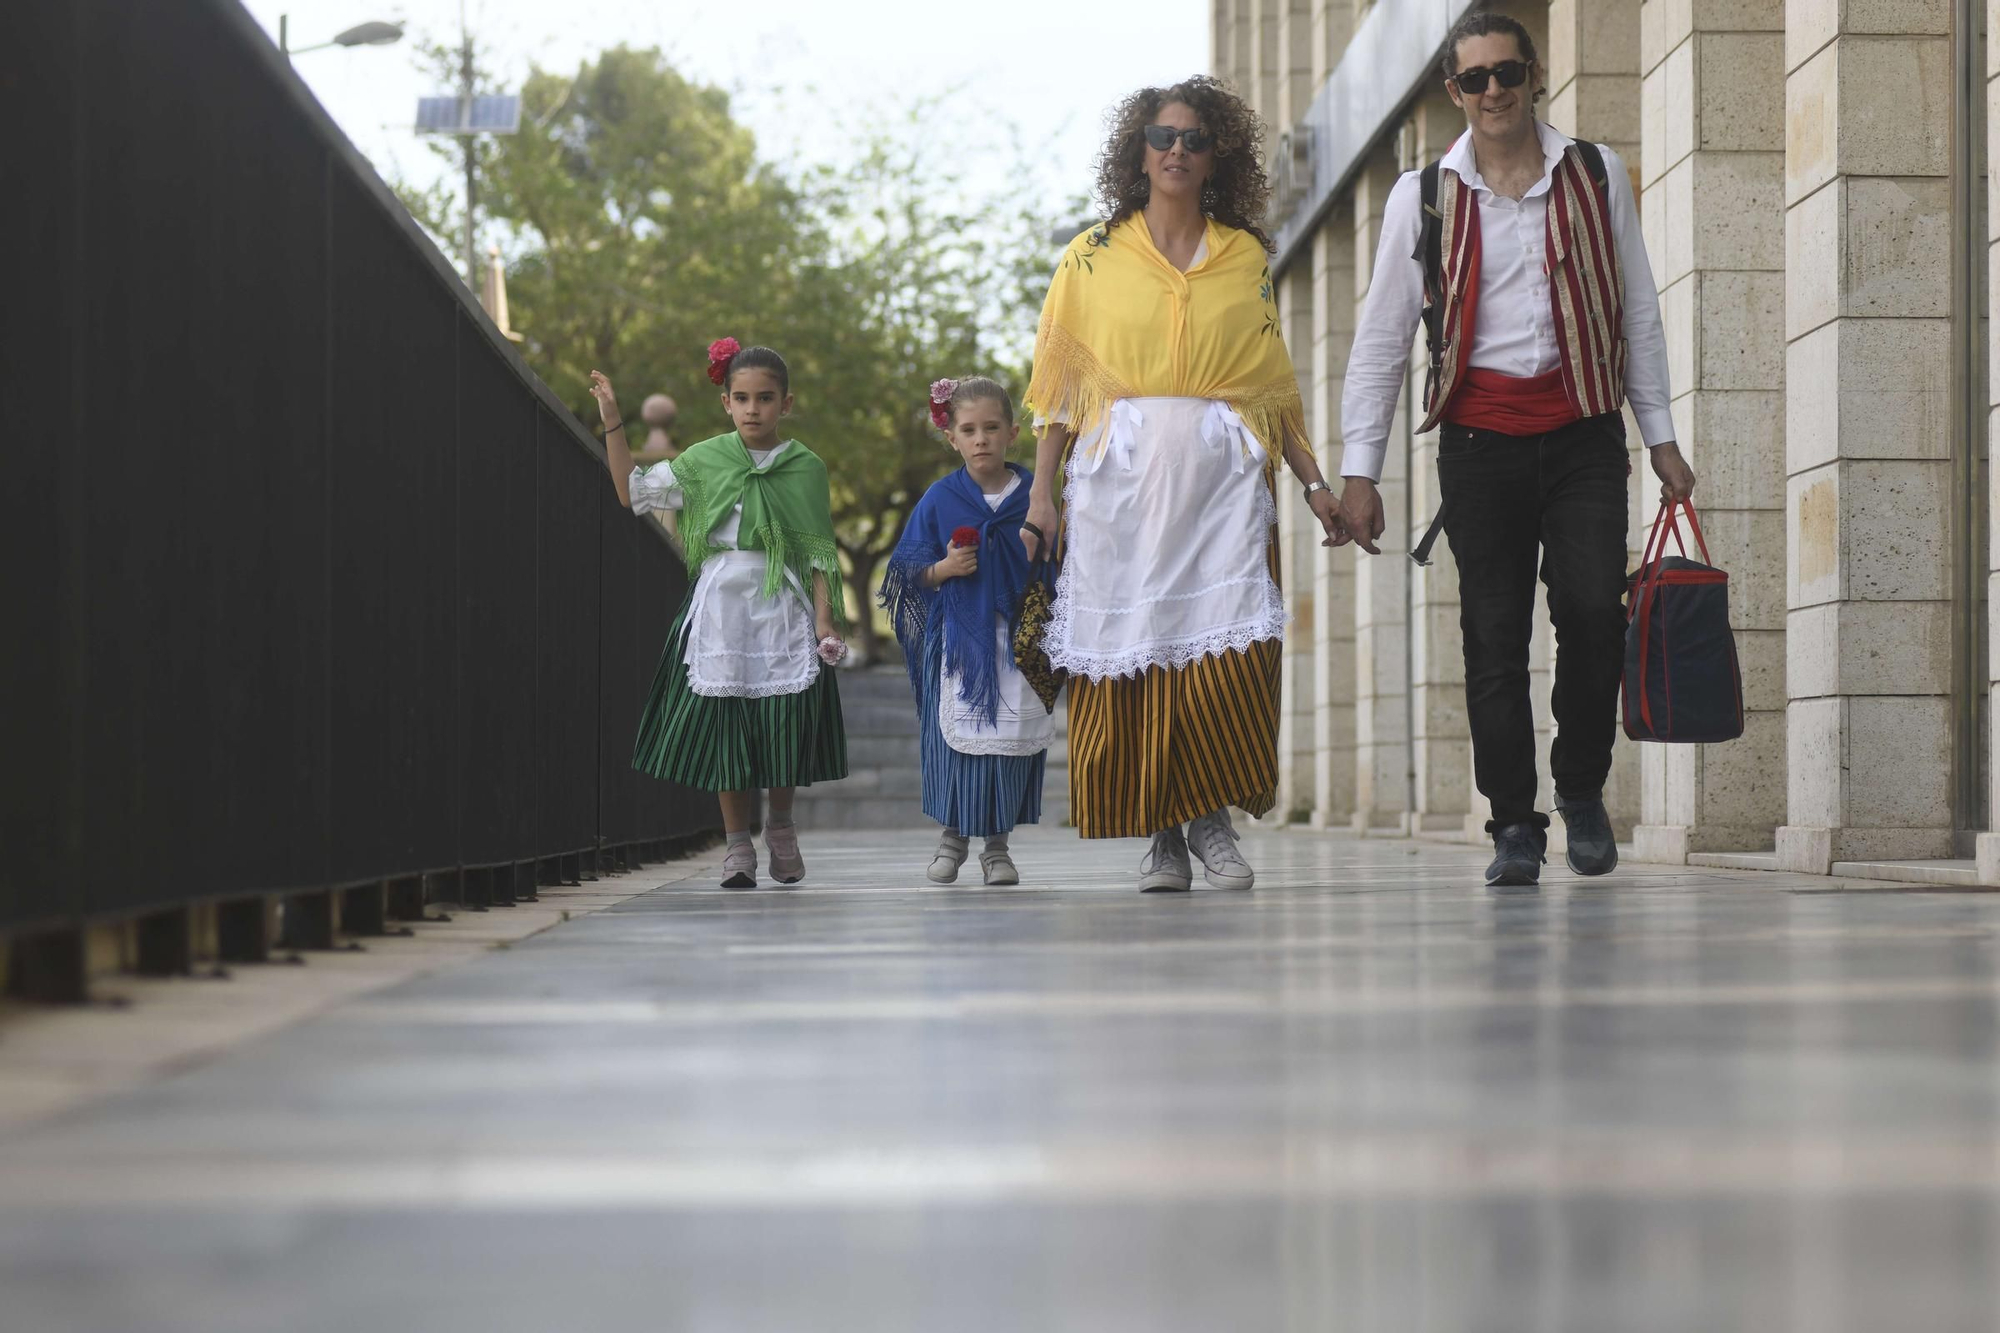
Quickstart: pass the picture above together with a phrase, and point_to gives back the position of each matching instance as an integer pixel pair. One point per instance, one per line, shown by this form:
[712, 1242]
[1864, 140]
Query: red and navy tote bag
[1682, 681]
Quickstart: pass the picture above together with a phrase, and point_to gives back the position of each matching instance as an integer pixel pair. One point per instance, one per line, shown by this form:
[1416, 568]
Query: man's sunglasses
[1197, 140]
[1511, 73]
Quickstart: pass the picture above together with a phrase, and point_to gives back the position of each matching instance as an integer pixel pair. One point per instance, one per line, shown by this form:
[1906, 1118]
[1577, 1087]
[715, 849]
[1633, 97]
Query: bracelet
[1313, 486]
[616, 425]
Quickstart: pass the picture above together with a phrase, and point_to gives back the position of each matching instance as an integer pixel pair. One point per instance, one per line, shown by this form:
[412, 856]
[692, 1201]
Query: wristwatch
[1312, 486]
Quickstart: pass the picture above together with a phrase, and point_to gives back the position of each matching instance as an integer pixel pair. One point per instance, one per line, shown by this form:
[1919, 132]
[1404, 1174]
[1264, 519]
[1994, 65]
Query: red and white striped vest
[1586, 289]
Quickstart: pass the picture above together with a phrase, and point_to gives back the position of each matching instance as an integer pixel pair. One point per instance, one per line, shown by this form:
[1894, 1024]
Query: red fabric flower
[941, 392]
[719, 353]
[965, 536]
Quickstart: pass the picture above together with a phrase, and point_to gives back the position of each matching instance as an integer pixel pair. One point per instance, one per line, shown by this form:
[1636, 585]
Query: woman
[1161, 370]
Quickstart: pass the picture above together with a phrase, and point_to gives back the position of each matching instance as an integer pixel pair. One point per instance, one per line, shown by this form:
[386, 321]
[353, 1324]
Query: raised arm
[617, 454]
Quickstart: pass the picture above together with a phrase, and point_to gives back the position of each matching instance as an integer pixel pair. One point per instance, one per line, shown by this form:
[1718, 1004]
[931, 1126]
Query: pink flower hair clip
[941, 392]
[719, 353]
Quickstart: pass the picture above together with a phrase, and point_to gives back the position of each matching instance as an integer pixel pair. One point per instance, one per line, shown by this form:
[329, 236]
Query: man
[1539, 332]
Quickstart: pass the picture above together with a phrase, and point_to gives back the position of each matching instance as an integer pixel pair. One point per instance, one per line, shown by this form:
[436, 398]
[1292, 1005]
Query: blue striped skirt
[980, 795]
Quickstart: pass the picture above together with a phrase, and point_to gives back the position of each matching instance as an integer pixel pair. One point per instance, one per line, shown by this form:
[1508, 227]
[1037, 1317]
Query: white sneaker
[1165, 867]
[1213, 839]
[951, 851]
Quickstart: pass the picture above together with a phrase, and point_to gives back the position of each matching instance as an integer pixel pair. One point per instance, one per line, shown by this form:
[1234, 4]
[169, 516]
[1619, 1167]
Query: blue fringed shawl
[967, 605]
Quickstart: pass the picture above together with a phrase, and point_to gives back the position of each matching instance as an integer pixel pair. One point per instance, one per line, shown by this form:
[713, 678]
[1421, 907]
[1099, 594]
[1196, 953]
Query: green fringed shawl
[787, 512]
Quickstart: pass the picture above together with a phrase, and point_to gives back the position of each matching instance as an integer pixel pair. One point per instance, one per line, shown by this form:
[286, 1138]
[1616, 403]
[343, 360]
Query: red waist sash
[1488, 400]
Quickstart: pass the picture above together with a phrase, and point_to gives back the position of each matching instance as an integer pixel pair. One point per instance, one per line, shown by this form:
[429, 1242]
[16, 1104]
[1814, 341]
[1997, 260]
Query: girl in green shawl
[744, 698]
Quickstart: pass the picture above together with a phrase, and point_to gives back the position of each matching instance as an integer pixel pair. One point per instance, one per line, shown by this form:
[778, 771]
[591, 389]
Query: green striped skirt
[721, 744]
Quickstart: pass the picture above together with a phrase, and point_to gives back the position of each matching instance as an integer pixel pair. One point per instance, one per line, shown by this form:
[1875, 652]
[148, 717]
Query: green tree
[645, 225]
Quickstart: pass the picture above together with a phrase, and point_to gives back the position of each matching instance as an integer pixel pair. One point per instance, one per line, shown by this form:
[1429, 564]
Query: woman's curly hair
[1236, 193]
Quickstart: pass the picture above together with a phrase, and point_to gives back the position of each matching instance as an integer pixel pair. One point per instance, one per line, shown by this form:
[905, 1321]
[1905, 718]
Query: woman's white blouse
[739, 643]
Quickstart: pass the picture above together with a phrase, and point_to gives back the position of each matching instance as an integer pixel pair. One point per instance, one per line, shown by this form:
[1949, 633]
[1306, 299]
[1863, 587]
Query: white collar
[1461, 162]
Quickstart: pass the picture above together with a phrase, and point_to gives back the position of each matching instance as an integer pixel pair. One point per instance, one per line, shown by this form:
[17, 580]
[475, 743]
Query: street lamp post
[372, 33]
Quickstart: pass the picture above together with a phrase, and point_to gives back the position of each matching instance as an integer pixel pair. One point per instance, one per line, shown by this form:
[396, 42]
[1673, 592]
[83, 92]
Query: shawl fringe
[1069, 382]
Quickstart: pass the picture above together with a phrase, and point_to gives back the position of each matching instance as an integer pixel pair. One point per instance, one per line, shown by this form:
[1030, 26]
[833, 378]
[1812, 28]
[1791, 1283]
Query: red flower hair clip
[719, 353]
[941, 392]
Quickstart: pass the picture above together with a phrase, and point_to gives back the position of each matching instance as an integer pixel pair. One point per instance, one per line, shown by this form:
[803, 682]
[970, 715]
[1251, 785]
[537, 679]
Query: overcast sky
[1049, 66]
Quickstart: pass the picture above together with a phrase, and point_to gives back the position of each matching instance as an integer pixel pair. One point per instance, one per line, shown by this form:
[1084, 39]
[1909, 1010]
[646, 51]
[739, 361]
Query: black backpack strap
[1430, 254]
[1593, 162]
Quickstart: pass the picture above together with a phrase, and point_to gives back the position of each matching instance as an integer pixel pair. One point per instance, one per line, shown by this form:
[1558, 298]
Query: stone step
[870, 686]
[881, 751]
[879, 719]
[864, 783]
[875, 812]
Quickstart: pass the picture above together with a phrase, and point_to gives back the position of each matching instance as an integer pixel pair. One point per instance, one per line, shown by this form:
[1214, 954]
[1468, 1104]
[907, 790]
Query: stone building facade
[1812, 182]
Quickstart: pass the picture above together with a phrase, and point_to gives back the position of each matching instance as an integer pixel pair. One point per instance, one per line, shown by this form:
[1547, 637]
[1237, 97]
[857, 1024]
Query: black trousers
[1512, 502]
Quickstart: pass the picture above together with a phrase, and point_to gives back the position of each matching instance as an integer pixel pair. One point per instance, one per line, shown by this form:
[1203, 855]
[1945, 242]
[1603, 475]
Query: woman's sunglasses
[1197, 140]
[1511, 73]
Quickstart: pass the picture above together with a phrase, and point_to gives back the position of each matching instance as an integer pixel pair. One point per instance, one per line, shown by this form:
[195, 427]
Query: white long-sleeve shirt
[1516, 332]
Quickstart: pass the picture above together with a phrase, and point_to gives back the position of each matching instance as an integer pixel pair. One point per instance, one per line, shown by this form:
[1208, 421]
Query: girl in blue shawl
[953, 584]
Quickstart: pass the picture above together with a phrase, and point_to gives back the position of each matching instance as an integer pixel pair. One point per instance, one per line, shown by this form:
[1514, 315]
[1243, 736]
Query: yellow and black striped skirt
[1174, 743]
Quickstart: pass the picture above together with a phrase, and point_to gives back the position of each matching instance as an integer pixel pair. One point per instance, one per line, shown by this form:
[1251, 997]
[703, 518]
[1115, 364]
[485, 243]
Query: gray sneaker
[739, 866]
[1165, 868]
[950, 856]
[782, 842]
[1212, 838]
[998, 868]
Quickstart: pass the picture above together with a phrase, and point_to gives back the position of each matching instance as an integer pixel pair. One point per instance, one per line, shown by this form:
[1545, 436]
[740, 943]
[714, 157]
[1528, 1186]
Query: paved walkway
[1369, 1095]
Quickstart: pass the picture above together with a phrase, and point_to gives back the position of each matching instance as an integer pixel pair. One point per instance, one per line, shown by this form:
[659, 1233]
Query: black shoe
[1518, 853]
[1593, 849]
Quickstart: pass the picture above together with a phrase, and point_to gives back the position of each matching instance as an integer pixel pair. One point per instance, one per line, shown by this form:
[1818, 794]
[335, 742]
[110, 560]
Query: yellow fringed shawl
[1121, 321]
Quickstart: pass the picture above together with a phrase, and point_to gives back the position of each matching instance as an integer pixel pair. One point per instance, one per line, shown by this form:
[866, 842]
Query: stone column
[1381, 728]
[1299, 535]
[1234, 37]
[1443, 738]
[1334, 304]
[1594, 93]
[1988, 844]
[1261, 87]
[1867, 431]
[1713, 202]
[1332, 25]
[1300, 556]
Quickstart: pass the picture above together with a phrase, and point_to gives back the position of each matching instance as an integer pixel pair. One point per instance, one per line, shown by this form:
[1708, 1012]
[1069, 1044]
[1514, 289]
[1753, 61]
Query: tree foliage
[644, 225]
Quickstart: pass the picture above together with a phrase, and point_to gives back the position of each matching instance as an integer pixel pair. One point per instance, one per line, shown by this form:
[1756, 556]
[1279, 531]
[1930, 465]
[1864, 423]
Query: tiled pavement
[1369, 1095]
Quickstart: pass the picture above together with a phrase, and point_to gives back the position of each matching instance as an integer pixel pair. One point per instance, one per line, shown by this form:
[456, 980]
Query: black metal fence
[310, 583]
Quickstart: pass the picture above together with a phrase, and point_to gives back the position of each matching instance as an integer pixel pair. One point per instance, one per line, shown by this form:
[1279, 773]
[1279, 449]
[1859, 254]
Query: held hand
[1041, 513]
[958, 563]
[1676, 477]
[607, 401]
[1326, 508]
[1361, 514]
[832, 647]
